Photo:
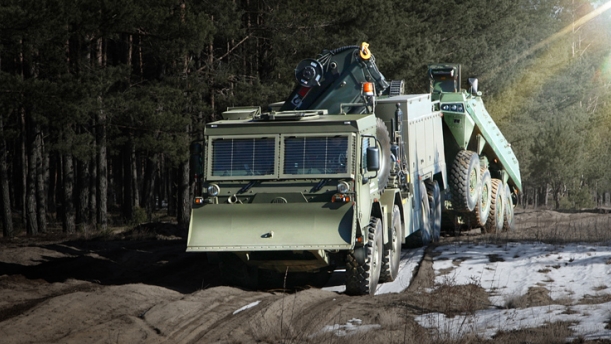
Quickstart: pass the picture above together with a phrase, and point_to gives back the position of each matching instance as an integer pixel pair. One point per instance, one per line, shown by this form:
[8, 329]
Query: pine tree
[7, 216]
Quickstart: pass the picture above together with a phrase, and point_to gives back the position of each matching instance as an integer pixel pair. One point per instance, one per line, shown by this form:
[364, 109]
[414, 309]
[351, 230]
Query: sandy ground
[141, 287]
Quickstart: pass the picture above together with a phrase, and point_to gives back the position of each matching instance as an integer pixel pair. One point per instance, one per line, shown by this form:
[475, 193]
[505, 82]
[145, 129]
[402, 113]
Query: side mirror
[373, 159]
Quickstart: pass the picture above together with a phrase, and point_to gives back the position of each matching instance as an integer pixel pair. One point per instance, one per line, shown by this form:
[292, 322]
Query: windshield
[243, 157]
[315, 155]
[278, 157]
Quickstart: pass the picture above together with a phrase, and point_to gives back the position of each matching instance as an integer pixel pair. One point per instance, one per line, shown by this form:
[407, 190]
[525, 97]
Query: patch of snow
[250, 305]
[590, 321]
[569, 272]
[410, 260]
[353, 326]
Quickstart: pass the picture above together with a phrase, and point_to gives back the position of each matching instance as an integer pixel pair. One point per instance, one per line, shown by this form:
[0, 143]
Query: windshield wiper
[320, 185]
[247, 186]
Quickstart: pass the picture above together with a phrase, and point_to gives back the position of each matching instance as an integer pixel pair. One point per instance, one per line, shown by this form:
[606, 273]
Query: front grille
[243, 157]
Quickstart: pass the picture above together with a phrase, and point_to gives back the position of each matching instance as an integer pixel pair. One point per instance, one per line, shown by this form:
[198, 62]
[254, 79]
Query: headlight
[343, 187]
[453, 107]
[213, 190]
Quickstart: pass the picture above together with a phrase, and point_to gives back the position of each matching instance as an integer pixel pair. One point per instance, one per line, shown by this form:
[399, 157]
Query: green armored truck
[346, 171]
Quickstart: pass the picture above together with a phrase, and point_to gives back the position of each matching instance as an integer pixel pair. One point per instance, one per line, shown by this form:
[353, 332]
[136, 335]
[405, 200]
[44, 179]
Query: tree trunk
[56, 200]
[184, 204]
[102, 167]
[24, 170]
[134, 178]
[68, 201]
[112, 183]
[31, 208]
[149, 179]
[184, 187]
[161, 180]
[93, 191]
[5, 201]
[42, 175]
[53, 168]
[128, 199]
[171, 190]
[82, 206]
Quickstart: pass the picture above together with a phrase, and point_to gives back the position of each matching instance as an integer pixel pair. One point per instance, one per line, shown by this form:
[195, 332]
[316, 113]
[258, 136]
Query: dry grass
[550, 333]
[554, 228]
[536, 296]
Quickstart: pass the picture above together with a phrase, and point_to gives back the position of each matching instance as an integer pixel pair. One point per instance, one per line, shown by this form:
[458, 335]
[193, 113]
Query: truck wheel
[464, 181]
[434, 197]
[385, 160]
[362, 277]
[422, 236]
[392, 250]
[508, 220]
[495, 217]
[482, 210]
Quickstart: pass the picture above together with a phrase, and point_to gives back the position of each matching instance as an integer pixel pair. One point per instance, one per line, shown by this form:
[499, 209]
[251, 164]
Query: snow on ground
[250, 305]
[571, 273]
[590, 320]
[410, 260]
[351, 327]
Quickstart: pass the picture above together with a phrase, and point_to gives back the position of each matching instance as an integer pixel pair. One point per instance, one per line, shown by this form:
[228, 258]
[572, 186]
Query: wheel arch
[439, 177]
[377, 210]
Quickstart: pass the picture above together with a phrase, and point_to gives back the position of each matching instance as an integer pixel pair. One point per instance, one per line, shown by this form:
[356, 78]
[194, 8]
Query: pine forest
[100, 99]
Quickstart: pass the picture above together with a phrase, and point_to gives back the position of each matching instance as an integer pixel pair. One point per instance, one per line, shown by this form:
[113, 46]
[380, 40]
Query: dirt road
[141, 287]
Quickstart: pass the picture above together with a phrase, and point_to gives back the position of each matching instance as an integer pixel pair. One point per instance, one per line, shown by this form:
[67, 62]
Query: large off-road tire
[235, 273]
[464, 181]
[434, 197]
[362, 277]
[422, 236]
[482, 209]
[392, 250]
[508, 220]
[495, 218]
[385, 155]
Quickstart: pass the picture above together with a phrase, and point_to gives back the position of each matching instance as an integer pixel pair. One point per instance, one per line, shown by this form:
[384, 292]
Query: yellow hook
[365, 53]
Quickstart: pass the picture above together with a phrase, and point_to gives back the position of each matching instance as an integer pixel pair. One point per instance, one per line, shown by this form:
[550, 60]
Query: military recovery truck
[346, 171]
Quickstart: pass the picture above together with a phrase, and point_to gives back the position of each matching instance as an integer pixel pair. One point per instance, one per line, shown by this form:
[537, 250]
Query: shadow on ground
[151, 254]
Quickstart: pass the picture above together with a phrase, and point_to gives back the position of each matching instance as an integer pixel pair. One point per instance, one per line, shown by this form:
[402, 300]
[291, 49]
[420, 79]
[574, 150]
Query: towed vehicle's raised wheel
[508, 220]
[363, 274]
[464, 181]
[385, 159]
[494, 224]
[482, 209]
[392, 250]
[434, 197]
